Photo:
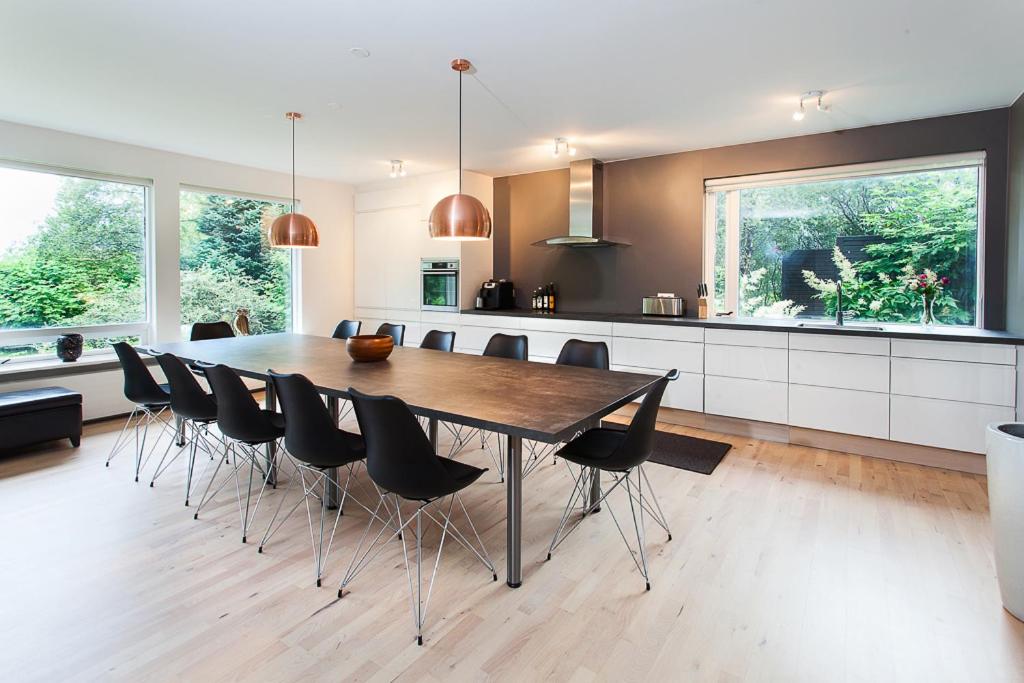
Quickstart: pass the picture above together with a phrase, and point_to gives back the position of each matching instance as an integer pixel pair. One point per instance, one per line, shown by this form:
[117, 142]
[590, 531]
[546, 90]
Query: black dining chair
[437, 340]
[622, 454]
[403, 465]
[195, 410]
[315, 446]
[395, 330]
[214, 330]
[248, 427]
[151, 403]
[581, 354]
[346, 329]
[513, 347]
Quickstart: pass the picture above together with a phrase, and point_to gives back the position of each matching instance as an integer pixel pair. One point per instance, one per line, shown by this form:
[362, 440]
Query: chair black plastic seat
[593, 447]
[346, 329]
[188, 399]
[311, 434]
[437, 340]
[513, 347]
[395, 330]
[239, 416]
[139, 386]
[214, 330]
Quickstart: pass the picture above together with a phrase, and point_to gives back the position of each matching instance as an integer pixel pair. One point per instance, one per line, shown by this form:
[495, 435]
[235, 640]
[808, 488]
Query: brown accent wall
[1015, 223]
[657, 204]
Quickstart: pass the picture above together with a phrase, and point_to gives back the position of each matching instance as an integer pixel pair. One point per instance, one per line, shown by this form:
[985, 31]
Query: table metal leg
[514, 511]
[331, 483]
[432, 432]
[270, 401]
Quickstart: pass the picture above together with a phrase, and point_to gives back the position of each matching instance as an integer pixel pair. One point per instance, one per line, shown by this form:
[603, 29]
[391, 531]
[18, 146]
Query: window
[72, 259]
[227, 262]
[777, 244]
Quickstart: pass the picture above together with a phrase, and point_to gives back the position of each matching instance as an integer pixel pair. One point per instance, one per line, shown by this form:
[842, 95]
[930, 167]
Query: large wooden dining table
[518, 399]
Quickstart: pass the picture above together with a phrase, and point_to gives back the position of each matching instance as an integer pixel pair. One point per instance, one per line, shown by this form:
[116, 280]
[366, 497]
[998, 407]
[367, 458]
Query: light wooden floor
[788, 563]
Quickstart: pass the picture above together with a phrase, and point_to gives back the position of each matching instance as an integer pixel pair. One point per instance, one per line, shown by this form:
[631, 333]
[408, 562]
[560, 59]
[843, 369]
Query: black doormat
[683, 452]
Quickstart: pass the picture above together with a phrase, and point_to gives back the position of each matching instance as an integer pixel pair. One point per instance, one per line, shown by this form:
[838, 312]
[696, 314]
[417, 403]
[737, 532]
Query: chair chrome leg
[636, 501]
[122, 440]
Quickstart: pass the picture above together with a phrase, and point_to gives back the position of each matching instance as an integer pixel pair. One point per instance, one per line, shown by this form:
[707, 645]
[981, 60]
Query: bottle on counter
[544, 298]
[551, 297]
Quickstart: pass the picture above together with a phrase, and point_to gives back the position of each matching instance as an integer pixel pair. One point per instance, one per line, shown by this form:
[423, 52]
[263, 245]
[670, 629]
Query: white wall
[326, 278]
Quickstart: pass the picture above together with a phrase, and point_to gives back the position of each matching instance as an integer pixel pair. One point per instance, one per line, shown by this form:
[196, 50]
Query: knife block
[702, 308]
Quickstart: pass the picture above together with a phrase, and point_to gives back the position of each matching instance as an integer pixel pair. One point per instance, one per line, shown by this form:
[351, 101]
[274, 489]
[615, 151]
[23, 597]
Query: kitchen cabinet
[749, 399]
[846, 411]
[839, 370]
[684, 393]
[999, 354]
[944, 424]
[747, 362]
[955, 381]
[656, 353]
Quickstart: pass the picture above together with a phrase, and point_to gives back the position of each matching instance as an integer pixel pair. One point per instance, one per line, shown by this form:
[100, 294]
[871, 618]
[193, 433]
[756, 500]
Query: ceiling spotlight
[360, 52]
[799, 114]
[562, 145]
[397, 168]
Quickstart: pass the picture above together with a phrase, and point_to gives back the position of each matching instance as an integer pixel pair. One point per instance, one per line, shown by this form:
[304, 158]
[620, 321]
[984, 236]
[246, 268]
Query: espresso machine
[496, 295]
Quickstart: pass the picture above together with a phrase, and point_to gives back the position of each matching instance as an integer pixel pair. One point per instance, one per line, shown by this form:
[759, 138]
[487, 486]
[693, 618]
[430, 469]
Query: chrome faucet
[839, 303]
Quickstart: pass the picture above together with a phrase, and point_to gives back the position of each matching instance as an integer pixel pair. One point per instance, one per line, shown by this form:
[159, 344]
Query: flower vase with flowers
[929, 286]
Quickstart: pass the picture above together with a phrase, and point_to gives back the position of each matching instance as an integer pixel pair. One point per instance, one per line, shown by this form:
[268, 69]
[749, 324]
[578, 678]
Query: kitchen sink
[833, 326]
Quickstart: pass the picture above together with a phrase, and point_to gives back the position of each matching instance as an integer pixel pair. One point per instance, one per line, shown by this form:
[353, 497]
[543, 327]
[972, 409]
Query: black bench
[33, 416]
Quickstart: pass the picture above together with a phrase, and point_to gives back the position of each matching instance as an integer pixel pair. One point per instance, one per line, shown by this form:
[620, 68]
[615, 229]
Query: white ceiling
[621, 78]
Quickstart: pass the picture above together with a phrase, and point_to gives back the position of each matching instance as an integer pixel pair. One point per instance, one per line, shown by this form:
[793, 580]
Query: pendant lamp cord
[293, 164]
[460, 132]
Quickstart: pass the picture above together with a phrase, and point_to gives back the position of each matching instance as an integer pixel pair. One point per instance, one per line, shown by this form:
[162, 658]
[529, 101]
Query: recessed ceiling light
[334, 106]
[360, 52]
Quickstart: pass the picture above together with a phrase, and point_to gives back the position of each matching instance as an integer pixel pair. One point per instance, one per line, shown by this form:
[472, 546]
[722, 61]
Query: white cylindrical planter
[1005, 461]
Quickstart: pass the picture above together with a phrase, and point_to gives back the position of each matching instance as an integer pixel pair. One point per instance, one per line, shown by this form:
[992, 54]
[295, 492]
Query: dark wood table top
[531, 400]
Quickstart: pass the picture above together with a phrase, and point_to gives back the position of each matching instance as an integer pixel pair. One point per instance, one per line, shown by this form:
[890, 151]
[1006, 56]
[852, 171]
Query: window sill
[53, 367]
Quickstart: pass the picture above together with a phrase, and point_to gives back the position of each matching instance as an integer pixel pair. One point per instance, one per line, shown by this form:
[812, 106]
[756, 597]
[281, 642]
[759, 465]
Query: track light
[799, 114]
[397, 168]
[562, 145]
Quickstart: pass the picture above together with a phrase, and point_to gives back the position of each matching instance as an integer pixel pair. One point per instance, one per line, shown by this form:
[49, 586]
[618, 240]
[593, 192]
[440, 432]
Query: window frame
[141, 329]
[294, 257]
[731, 187]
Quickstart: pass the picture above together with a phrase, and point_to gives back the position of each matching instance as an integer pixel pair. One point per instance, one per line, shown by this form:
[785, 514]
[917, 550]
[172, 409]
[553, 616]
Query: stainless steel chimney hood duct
[586, 216]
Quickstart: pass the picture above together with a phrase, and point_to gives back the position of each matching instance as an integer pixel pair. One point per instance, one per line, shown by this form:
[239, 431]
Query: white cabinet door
[371, 239]
[750, 399]
[549, 344]
[953, 381]
[1000, 354]
[748, 362]
[684, 393]
[839, 370]
[943, 424]
[839, 410]
[653, 331]
[839, 343]
[778, 340]
[656, 353]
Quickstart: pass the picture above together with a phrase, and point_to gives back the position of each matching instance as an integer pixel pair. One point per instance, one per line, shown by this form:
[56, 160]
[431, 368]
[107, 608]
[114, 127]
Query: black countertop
[864, 329]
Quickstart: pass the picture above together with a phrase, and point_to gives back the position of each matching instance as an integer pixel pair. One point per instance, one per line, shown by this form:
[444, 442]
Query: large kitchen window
[73, 258]
[777, 244]
[227, 262]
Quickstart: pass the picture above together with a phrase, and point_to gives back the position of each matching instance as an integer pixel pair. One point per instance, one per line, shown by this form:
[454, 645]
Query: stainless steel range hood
[586, 220]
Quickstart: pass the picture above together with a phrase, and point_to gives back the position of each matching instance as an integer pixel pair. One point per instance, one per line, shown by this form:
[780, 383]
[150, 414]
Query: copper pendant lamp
[460, 216]
[293, 230]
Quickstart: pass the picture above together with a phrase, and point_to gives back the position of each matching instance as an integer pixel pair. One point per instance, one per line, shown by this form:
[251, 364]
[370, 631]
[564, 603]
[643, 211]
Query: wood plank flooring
[788, 563]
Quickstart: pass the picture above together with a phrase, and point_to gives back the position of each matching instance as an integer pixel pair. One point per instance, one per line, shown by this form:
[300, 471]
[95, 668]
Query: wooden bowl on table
[367, 348]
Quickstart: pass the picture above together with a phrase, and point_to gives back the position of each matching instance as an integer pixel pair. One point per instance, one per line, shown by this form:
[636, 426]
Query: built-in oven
[439, 284]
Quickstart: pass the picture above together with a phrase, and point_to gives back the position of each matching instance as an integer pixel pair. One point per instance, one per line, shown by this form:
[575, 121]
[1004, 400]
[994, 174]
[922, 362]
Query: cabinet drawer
[872, 346]
[839, 370]
[668, 332]
[943, 424]
[439, 319]
[509, 322]
[839, 410]
[550, 343]
[1000, 354]
[685, 393]
[656, 353]
[572, 327]
[749, 399]
[748, 362]
[968, 382]
[777, 340]
[476, 338]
